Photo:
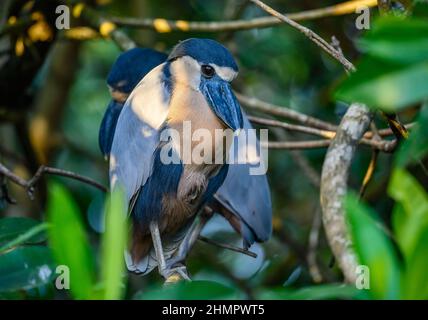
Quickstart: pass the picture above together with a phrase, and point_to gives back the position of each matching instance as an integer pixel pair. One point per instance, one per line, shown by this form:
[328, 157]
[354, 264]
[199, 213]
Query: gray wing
[247, 196]
[137, 134]
[134, 143]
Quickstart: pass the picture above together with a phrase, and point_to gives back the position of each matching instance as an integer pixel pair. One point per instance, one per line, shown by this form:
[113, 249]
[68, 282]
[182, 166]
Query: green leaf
[415, 147]
[11, 228]
[25, 237]
[373, 249]
[320, 292]
[385, 85]
[25, 268]
[195, 290]
[397, 40]
[69, 242]
[416, 277]
[412, 219]
[113, 246]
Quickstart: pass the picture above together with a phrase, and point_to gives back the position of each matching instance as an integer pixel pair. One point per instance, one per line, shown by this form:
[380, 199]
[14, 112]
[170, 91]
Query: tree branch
[256, 104]
[337, 161]
[320, 42]
[334, 179]
[164, 25]
[30, 184]
[296, 145]
[382, 145]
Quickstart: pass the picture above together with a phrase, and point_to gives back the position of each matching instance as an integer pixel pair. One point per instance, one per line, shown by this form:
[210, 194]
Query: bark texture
[334, 179]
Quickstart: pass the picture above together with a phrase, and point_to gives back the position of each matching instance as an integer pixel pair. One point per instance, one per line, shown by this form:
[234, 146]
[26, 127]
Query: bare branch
[103, 25]
[382, 145]
[227, 246]
[373, 161]
[30, 184]
[256, 104]
[320, 42]
[334, 179]
[164, 25]
[293, 127]
[311, 256]
[296, 145]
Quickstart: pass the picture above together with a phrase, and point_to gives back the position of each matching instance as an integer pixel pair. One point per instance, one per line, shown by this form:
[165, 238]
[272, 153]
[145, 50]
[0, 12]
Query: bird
[243, 199]
[126, 72]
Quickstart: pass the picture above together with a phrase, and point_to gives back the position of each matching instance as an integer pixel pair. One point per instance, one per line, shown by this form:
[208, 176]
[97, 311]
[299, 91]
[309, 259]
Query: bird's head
[207, 66]
[129, 68]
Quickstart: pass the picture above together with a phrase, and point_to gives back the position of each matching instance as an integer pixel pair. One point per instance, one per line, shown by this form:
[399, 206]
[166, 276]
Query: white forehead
[188, 67]
[226, 73]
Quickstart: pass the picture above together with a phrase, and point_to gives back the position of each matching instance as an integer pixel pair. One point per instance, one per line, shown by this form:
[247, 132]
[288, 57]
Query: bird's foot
[175, 274]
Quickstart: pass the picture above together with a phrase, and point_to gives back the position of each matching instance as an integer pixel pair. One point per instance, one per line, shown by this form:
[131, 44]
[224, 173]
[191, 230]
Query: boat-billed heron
[195, 75]
[129, 68]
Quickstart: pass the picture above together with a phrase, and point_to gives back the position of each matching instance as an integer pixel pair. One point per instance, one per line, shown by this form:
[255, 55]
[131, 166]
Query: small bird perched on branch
[191, 85]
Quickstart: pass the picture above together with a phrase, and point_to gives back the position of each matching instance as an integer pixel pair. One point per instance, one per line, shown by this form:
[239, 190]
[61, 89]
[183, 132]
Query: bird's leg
[157, 245]
[191, 237]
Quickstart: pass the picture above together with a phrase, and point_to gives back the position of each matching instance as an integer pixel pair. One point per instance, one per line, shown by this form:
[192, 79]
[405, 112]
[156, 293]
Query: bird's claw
[175, 274]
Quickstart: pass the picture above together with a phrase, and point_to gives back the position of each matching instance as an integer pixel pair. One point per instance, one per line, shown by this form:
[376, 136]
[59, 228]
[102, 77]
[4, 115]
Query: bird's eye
[207, 71]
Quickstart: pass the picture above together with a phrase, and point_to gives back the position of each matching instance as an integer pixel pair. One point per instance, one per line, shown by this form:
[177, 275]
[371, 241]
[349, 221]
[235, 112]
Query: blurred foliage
[69, 242]
[113, 246]
[393, 73]
[278, 65]
[397, 262]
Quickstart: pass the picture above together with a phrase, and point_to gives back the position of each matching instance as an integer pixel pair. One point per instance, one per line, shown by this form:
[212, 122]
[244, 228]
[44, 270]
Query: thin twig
[227, 246]
[164, 25]
[297, 145]
[293, 127]
[311, 257]
[30, 184]
[320, 42]
[103, 25]
[383, 145]
[299, 158]
[259, 105]
[373, 161]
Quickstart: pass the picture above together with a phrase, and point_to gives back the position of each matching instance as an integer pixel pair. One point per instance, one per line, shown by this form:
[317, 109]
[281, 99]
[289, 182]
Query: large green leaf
[411, 217]
[393, 73]
[113, 246]
[374, 250]
[26, 237]
[385, 85]
[397, 40]
[415, 281]
[321, 292]
[195, 290]
[13, 227]
[69, 242]
[416, 146]
[26, 268]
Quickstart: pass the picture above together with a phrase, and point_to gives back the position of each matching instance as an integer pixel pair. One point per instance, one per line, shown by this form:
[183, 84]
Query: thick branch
[334, 180]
